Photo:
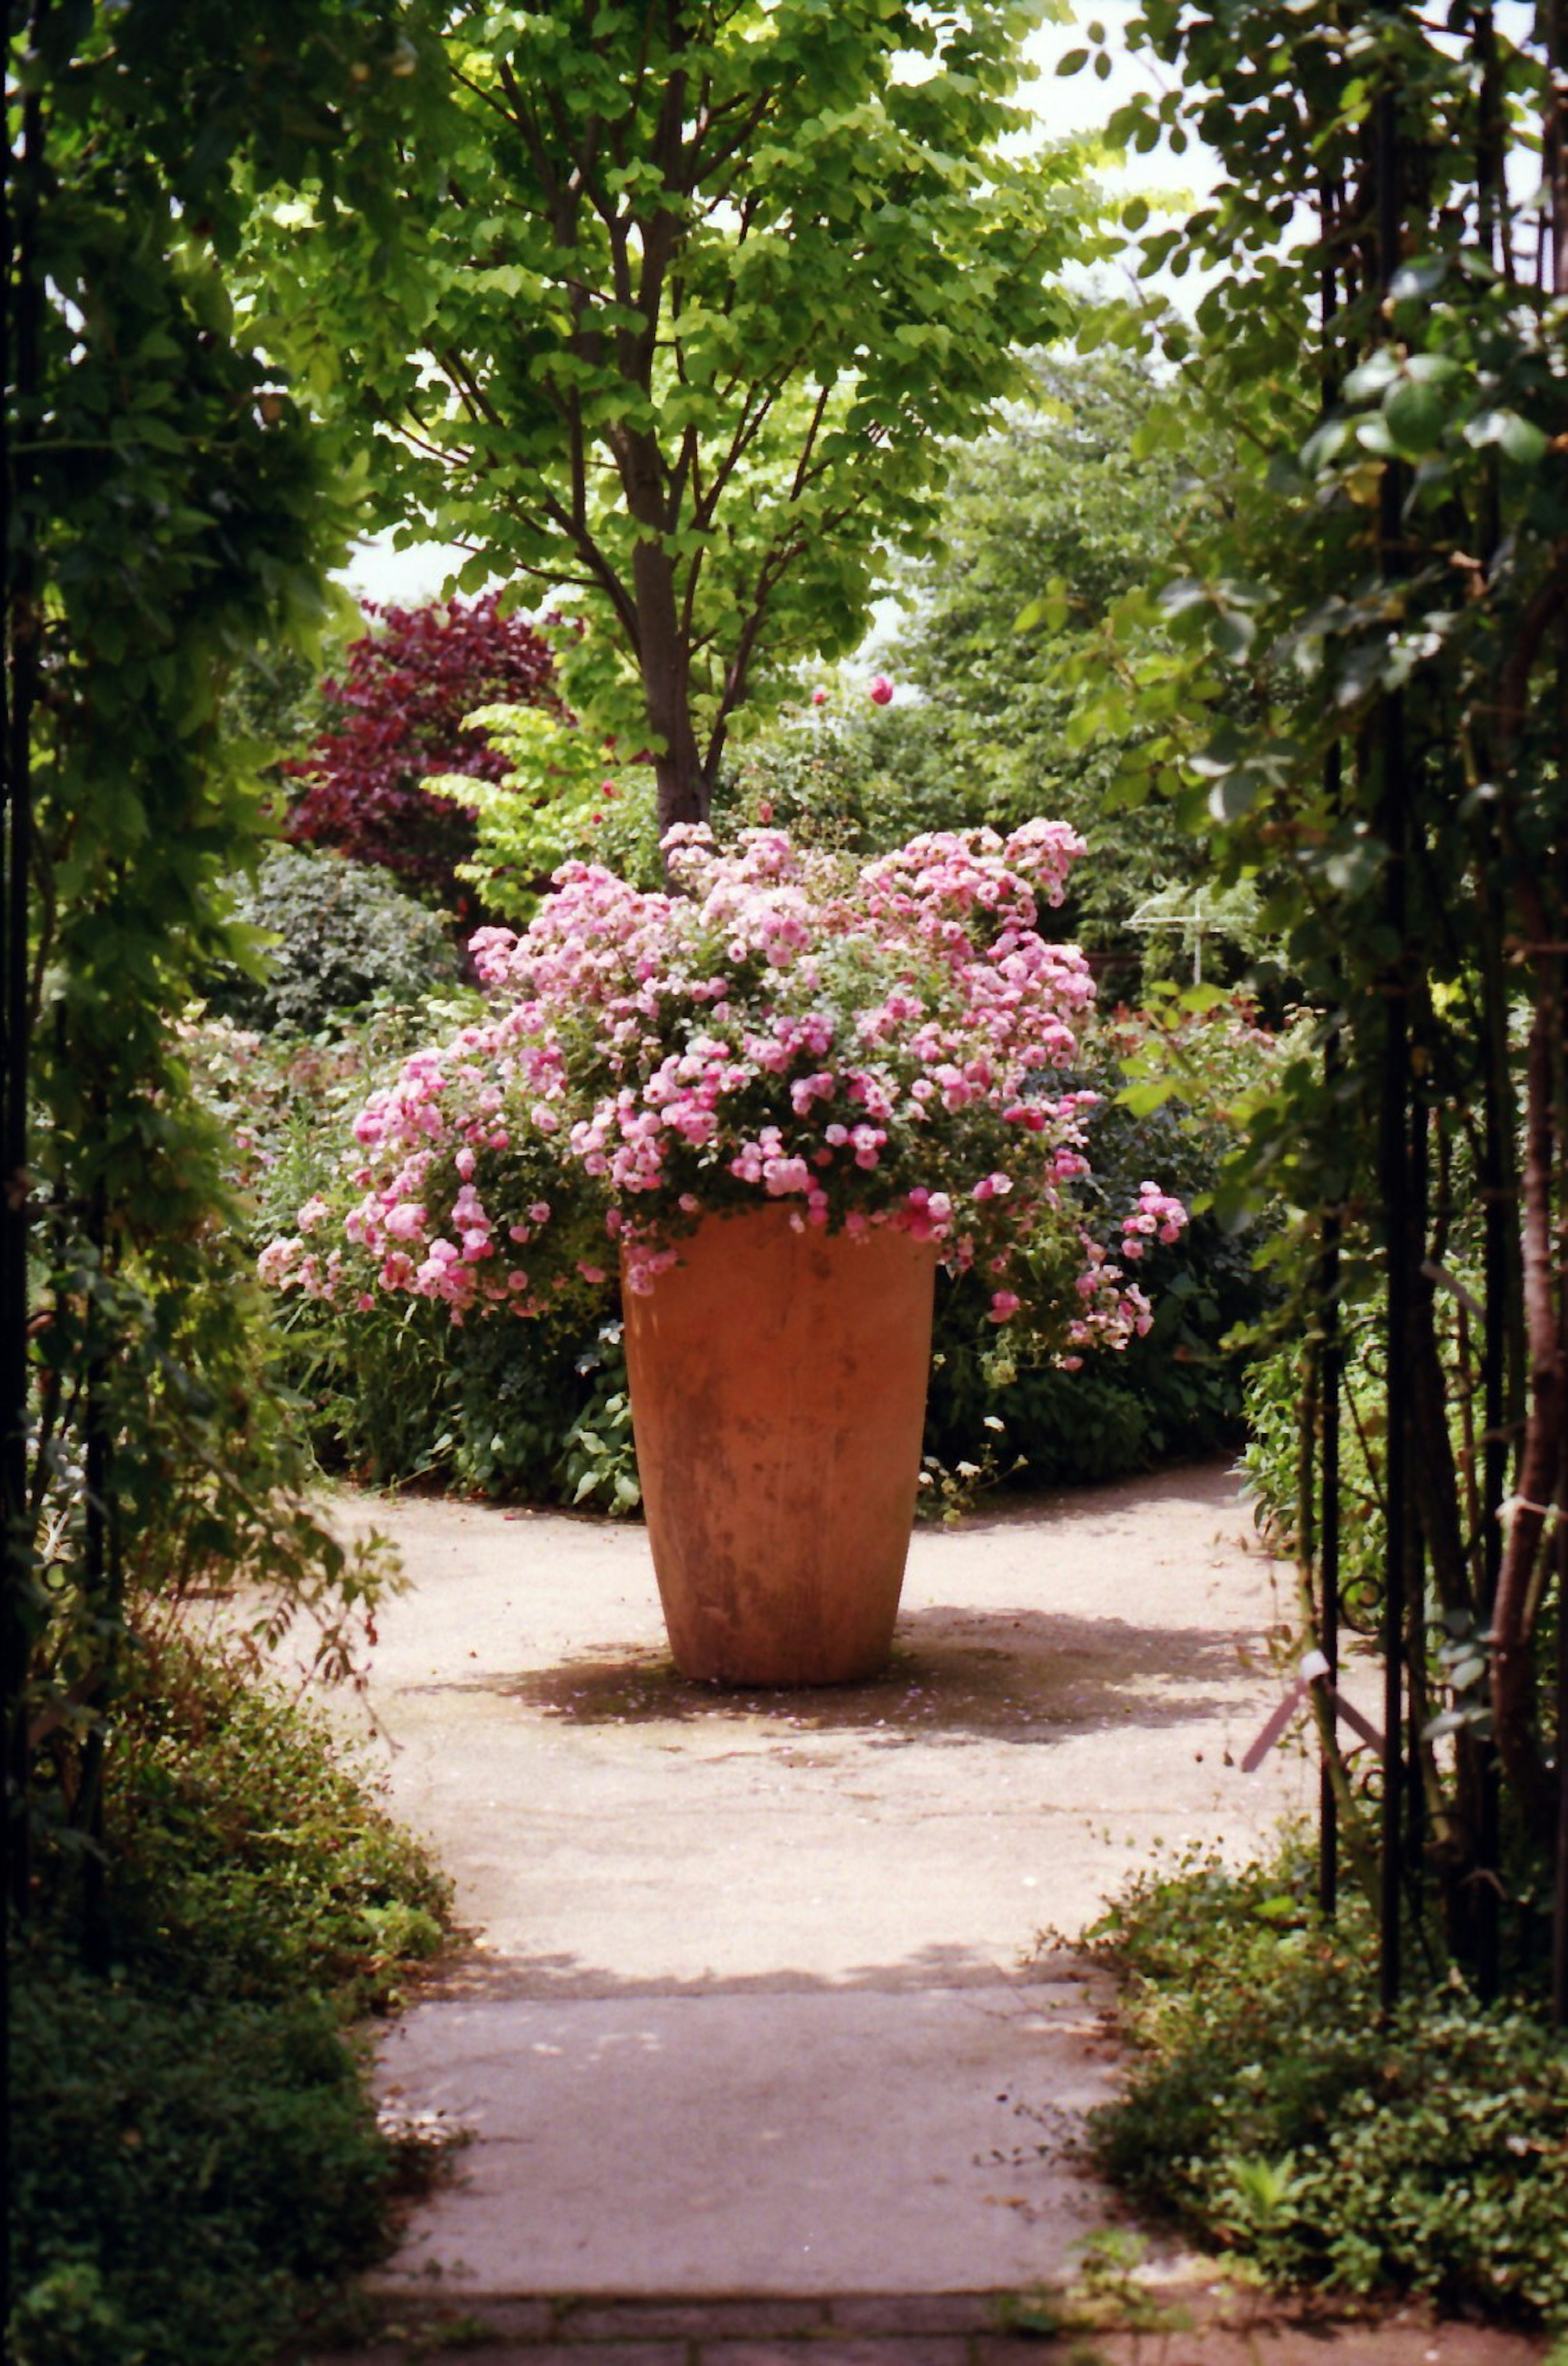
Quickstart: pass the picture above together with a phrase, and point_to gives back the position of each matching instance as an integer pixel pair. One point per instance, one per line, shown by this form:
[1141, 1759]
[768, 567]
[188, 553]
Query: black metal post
[22, 309]
[1331, 1377]
[1393, 1144]
[1555, 22]
[1500, 1216]
[1559, 1887]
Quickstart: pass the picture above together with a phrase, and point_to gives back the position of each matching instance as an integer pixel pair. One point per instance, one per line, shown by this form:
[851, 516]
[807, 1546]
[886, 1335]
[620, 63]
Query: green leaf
[1232, 633]
[1519, 439]
[1417, 281]
[1144, 1097]
[1372, 375]
[1416, 413]
[1235, 794]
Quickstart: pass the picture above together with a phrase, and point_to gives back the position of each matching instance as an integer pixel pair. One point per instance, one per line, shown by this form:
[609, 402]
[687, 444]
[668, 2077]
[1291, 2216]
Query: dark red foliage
[399, 712]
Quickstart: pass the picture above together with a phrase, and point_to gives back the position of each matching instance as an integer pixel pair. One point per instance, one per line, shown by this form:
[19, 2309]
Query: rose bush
[875, 1045]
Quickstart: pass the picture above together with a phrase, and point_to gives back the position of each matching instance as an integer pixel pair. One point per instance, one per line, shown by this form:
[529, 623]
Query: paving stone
[916, 2313]
[567, 2353]
[499, 2320]
[1272, 2343]
[748, 2009]
[384, 2354]
[697, 2320]
[835, 2349]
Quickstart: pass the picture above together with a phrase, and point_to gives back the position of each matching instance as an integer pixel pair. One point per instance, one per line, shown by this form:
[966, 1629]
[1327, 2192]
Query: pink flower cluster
[1157, 1215]
[874, 1047]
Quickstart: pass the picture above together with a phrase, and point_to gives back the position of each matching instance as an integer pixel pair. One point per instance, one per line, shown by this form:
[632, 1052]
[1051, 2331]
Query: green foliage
[534, 1410]
[1281, 1414]
[1179, 1388]
[192, 2172]
[392, 1392]
[210, 1492]
[1047, 524]
[170, 515]
[273, 699]
[712, 285]
[256, 1862]
[201, 2157]
[1270, 2109]
[827, 781]
[339, 934]
[1360, 679]
[553, 801]
[599, 1462]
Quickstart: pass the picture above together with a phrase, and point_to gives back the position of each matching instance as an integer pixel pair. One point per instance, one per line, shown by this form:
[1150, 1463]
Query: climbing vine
[170, 510]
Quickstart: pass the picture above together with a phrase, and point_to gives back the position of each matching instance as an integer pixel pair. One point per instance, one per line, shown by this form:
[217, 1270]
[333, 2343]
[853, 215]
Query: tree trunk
[1513, 1681]
[664, 656]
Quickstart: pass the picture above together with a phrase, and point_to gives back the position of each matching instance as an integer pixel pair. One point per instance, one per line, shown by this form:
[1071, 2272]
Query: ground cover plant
[205, 2075]
[1269, 2107]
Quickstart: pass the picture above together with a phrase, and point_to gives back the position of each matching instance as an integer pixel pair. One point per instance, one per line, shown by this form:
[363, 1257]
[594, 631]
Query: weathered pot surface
[778, 1385]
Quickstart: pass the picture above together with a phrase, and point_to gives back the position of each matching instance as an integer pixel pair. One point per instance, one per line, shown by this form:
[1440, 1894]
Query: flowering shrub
[872, 1046]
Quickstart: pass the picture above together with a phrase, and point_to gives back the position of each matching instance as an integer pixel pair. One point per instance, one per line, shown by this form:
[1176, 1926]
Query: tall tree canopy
[686, 299]
[1058, 515]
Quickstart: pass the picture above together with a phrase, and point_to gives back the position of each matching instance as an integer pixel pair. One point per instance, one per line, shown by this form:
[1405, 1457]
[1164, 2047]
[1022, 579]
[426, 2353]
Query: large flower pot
[778, 1387]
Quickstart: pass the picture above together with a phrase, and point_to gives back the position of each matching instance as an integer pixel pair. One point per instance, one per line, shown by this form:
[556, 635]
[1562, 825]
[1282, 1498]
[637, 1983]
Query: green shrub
[188, 2173]
[198, 2161]
[1179, 1388]
[1277, 1416]
[1270, 2110]
[346, 934]
[253, 1859]
[394, 1392]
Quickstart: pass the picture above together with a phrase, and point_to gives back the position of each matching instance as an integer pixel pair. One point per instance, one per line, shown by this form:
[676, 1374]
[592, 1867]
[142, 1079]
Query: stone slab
[775, 2144]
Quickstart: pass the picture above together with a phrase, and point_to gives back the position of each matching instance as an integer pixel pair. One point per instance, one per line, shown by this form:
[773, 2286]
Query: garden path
[752, 2016]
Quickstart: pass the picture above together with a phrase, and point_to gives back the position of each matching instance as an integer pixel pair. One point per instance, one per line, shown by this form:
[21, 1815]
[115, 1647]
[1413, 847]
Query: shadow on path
[1012, 1675]
[1058, 1976]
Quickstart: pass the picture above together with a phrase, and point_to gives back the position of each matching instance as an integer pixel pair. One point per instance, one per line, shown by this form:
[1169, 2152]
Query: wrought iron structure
[1447, 1822]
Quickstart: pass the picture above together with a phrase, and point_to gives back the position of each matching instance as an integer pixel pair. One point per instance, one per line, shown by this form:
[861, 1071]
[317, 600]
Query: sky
[1065, 108]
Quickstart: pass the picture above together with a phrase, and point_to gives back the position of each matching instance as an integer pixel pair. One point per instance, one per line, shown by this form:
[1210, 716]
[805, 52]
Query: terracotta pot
[778, 1387]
